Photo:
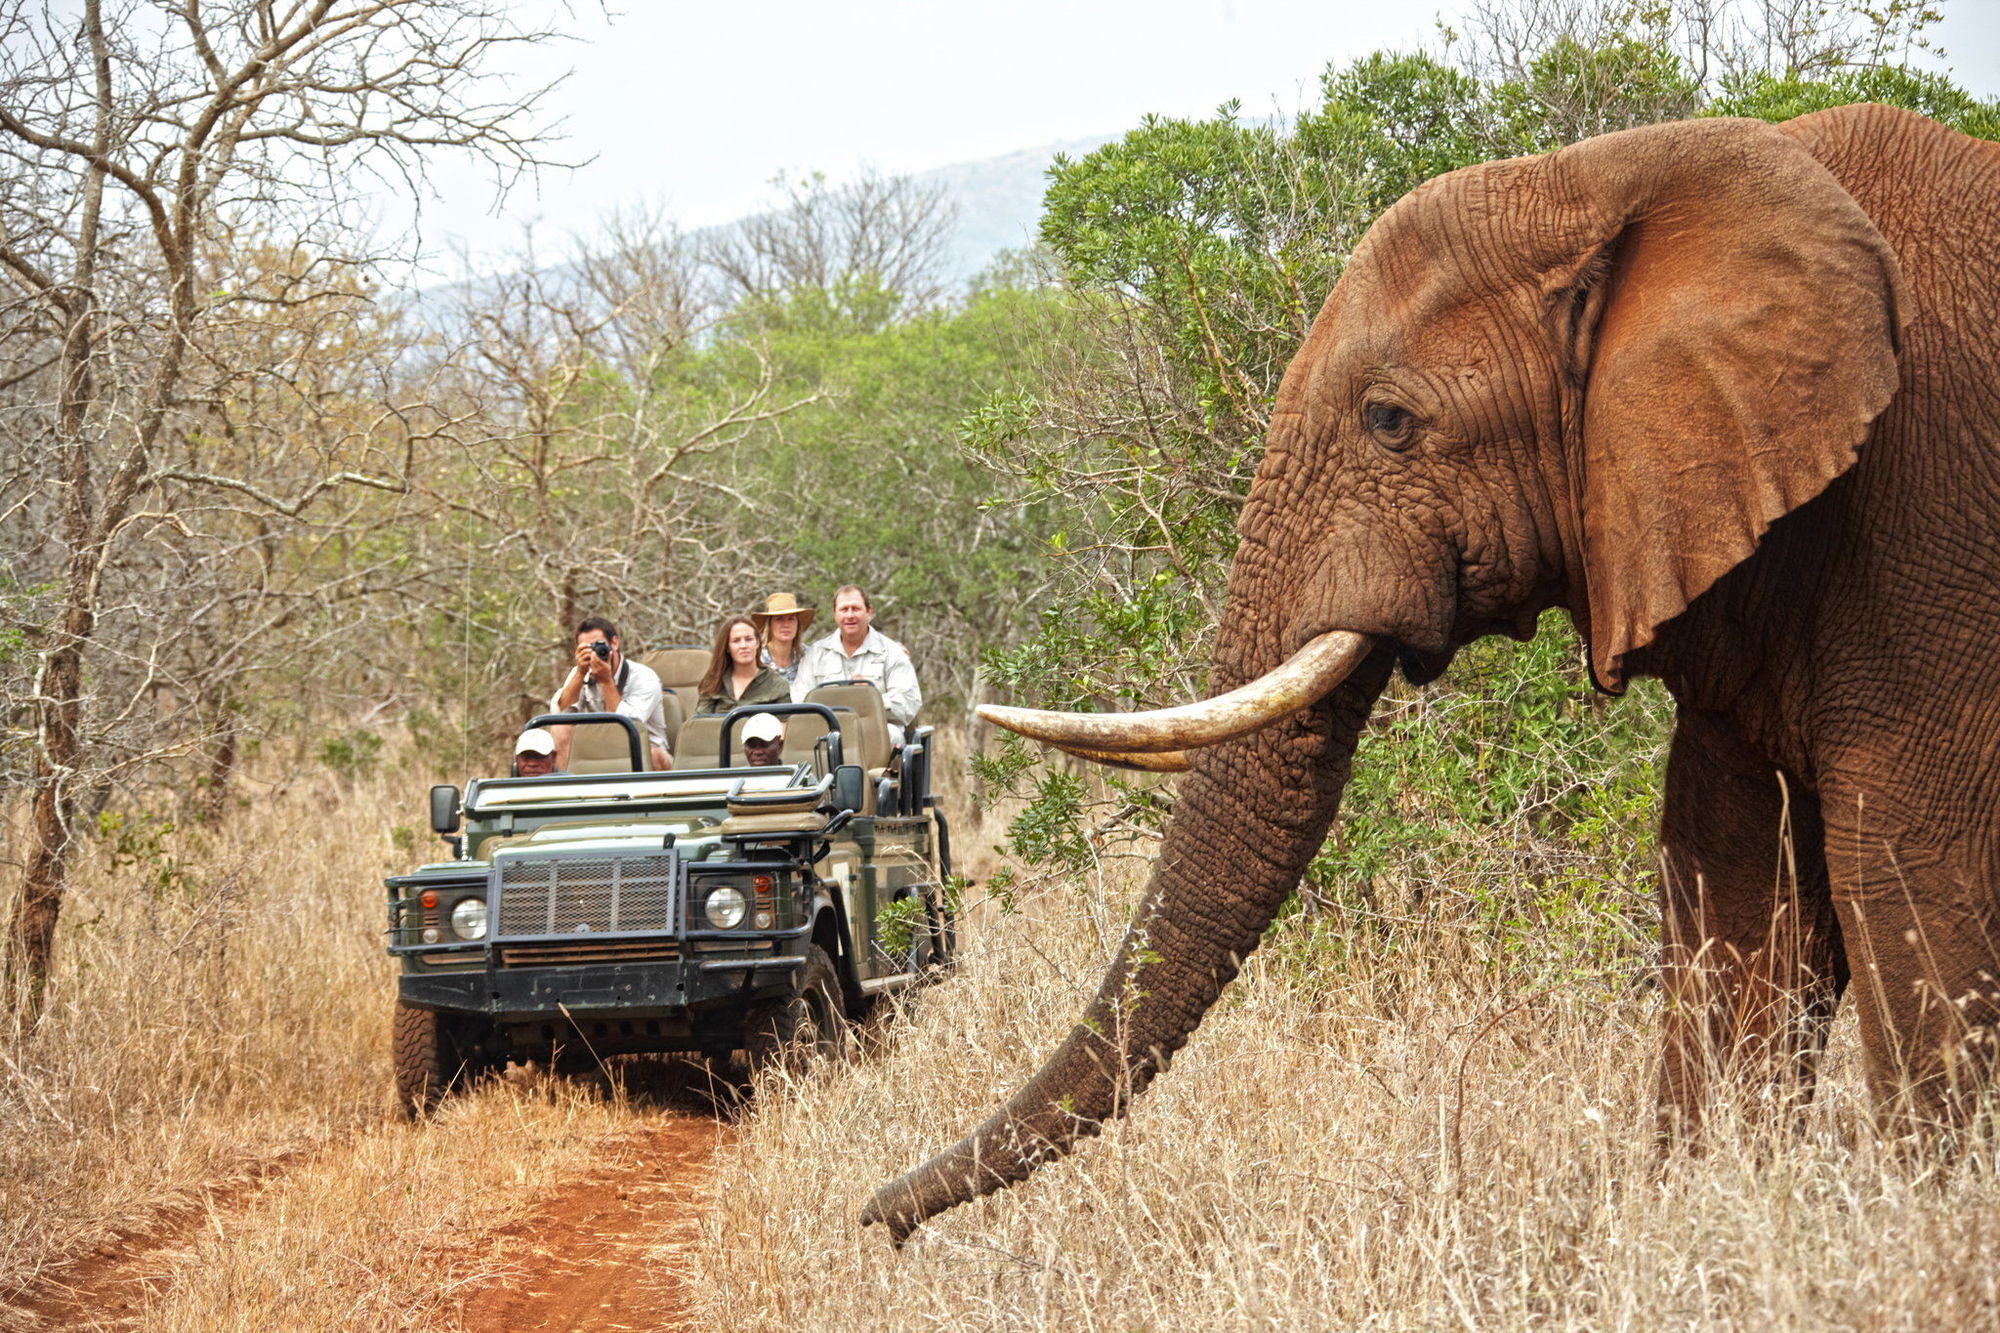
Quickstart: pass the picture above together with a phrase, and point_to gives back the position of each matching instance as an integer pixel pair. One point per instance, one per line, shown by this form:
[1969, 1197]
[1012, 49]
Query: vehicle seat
[802, 736]
[601, 747]
[809, 821]
[679, 667]
[869, 747]
[864, 734]
[701, 741]
[802, 733]
[675, 707]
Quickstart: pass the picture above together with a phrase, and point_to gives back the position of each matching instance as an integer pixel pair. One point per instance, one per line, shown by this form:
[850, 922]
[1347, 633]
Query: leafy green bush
[145, 842]
[351, 754]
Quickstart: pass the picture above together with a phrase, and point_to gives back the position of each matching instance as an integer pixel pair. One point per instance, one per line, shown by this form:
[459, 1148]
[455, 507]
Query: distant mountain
[999, 201]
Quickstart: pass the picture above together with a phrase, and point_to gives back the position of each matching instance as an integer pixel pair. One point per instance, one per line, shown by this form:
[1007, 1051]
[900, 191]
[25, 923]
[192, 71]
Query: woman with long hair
[735, 676]
[782, 626]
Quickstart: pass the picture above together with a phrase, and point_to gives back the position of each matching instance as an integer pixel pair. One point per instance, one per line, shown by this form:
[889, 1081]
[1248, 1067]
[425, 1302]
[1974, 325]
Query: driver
[535, 754]
[764, 740]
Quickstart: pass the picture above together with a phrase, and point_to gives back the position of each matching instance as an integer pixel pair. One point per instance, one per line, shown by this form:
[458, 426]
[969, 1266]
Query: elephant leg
[1752, 963]
[1916, 905]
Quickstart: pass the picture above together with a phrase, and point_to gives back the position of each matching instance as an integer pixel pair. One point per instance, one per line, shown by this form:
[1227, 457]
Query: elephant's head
[1590, 379]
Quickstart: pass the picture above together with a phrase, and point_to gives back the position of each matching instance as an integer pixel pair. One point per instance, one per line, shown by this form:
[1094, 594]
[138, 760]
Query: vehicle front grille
[605, 951]
[561, 895]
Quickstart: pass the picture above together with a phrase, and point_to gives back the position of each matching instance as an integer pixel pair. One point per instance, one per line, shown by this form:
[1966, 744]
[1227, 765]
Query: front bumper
[628, 990]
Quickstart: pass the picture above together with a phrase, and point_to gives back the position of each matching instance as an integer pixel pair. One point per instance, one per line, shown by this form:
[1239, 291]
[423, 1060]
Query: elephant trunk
[1250, 816]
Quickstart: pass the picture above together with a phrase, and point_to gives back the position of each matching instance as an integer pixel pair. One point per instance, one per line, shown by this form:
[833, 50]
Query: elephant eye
[1393, 427]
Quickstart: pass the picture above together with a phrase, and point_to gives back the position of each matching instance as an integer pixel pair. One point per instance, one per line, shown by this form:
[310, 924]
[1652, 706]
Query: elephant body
[1842, 684]
[1730, 393]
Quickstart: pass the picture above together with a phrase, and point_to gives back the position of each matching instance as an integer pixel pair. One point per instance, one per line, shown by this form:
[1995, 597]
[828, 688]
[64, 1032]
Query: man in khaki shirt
[857, 651]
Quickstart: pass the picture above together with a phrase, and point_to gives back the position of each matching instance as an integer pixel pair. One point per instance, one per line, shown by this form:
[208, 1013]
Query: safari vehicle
[710, 908]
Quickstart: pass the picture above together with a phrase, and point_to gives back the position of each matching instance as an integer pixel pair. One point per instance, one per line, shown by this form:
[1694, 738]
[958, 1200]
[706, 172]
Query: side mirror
[847, 788]
[444, 809]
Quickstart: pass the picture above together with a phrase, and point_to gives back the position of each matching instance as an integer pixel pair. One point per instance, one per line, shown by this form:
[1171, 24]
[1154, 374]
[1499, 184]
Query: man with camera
[603, 681]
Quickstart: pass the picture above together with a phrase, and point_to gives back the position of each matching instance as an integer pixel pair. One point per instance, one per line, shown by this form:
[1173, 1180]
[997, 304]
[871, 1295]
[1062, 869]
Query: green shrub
[351, 754]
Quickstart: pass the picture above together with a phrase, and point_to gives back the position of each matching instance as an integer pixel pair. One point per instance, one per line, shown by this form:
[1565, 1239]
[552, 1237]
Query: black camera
[601, 648]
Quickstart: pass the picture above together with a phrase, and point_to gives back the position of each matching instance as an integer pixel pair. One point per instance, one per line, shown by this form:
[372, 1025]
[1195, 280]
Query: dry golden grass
[222, 1003]
[220, 1017]
[1296, 1169]
[393, 1230]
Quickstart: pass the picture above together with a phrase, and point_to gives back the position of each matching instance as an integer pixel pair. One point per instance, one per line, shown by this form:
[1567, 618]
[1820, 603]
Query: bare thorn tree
[888, 230]
[138, 141]
[589, 480]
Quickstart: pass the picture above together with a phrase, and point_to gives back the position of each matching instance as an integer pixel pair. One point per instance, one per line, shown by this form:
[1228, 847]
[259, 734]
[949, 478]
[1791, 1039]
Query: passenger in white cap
[764, 740]
[535, 754]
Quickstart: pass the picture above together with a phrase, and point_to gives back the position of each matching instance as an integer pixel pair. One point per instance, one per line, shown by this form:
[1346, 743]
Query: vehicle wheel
[435, 1054]
[809, 1023]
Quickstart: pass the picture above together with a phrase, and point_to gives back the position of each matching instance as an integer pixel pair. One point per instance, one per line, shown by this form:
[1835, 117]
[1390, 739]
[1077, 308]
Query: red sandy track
[608, 1252]
[110, 1287]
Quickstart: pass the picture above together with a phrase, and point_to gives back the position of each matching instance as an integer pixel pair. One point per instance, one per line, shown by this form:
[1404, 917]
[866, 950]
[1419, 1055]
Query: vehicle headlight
[468, 919]
[724, 908]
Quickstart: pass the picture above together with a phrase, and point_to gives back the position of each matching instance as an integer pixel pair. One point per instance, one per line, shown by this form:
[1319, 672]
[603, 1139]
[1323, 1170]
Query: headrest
[679, 667]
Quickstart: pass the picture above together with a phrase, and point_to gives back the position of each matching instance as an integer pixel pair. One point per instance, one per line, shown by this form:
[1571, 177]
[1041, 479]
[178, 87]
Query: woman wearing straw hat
[782, 626]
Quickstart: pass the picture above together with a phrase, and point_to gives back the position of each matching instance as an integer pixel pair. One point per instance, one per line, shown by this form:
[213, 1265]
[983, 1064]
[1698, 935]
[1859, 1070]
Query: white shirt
[639, 696]
[879, 660]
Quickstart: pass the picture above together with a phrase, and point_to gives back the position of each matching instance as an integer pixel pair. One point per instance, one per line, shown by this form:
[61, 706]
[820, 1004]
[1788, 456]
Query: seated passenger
[535, 754]
[763, 740]
[857, 651]
[735, 677]
[780, 624]
[603, 681]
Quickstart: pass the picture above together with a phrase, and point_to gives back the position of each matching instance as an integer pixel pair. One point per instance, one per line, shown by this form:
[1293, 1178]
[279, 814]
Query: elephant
[1729, 393]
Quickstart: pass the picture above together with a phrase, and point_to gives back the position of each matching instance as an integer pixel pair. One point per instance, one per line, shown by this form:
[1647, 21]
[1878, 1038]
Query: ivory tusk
[1164, 761]
[1304, 678]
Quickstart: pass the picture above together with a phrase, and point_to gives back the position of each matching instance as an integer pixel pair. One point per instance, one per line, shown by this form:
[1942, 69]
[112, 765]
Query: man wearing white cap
[764, 740]
[535, 754]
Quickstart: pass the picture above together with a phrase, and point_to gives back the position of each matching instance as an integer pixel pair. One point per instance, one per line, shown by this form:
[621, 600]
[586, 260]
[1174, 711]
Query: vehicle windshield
[493, 793]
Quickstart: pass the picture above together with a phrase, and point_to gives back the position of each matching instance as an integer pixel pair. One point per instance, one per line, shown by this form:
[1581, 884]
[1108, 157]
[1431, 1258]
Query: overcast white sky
[694, 107]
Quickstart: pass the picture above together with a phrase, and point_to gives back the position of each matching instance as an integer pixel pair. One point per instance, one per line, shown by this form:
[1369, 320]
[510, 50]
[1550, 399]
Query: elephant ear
[1734, 323]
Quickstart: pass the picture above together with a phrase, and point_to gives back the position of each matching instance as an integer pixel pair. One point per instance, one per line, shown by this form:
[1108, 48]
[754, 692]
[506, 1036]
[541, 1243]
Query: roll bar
[632, 737]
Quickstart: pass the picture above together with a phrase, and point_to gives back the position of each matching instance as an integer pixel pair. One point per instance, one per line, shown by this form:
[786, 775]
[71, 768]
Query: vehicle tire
[808, 1024]
[435, 1054]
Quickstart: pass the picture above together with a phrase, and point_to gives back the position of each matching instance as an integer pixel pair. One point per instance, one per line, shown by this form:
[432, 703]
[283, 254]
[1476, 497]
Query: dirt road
[112, 1286]
[542, 1209]
[608, 1252]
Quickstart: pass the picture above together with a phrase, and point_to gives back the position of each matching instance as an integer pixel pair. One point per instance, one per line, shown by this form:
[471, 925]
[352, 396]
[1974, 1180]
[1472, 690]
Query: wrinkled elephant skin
[1730, 393]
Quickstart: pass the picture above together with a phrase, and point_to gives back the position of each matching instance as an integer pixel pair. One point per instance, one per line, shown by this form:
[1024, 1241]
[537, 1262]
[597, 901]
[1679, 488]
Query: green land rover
[715, 907]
